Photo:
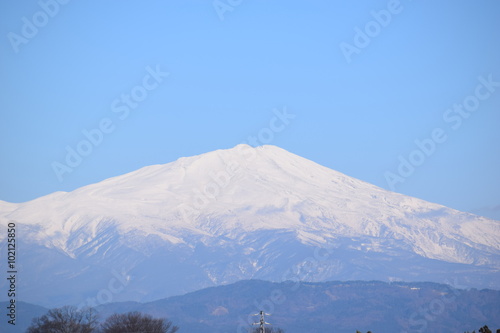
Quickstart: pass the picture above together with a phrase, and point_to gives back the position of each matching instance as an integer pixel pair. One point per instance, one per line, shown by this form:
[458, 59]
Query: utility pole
[262, 322]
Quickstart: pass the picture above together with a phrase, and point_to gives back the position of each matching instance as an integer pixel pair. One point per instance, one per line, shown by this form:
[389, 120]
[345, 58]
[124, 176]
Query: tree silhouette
[137, 322]
[67, 319]
[485, 329]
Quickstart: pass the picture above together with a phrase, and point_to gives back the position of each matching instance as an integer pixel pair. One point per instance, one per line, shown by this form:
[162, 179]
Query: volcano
[237, 214]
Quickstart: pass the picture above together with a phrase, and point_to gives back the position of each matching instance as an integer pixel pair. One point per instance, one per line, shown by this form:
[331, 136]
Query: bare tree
[135, 322]
[67, 319]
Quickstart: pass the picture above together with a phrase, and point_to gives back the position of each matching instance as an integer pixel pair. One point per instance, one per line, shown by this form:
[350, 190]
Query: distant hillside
[313, 308]
[328, 307]
[25, 312]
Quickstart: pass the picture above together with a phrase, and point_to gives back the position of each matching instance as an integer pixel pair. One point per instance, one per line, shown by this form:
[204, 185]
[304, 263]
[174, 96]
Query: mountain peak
[257, 211]
[246, 188]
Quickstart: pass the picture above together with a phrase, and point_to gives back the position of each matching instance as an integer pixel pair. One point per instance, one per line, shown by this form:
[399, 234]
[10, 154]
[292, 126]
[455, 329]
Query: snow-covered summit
[246, 189]
[226, 199]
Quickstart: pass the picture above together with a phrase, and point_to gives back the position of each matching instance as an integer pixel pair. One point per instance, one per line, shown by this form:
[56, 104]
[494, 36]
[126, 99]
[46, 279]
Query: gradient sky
[230, 67]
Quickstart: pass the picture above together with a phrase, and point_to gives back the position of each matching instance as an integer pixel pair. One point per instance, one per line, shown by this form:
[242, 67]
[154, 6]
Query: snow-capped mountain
[238, 214]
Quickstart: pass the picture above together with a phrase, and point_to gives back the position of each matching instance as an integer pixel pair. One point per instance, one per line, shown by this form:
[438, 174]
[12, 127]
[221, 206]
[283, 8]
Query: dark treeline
[69, 319]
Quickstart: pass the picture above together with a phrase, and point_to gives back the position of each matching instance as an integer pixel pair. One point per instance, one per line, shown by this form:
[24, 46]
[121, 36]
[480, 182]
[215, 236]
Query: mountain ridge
[315, 307]
[258, 212]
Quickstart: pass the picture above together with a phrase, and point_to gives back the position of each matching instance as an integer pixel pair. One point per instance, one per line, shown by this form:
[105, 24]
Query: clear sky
[363, 80]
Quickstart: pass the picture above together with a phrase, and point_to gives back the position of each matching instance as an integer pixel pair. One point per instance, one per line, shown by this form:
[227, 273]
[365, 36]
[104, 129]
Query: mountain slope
[321, 307]
[237, 214]
[345, 306]
[25, 312]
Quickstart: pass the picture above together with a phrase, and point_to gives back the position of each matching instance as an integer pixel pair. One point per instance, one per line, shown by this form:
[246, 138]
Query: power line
[262, 321]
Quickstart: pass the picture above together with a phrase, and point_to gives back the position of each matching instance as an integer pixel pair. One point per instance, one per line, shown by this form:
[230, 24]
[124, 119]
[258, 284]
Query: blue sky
[363, 79]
